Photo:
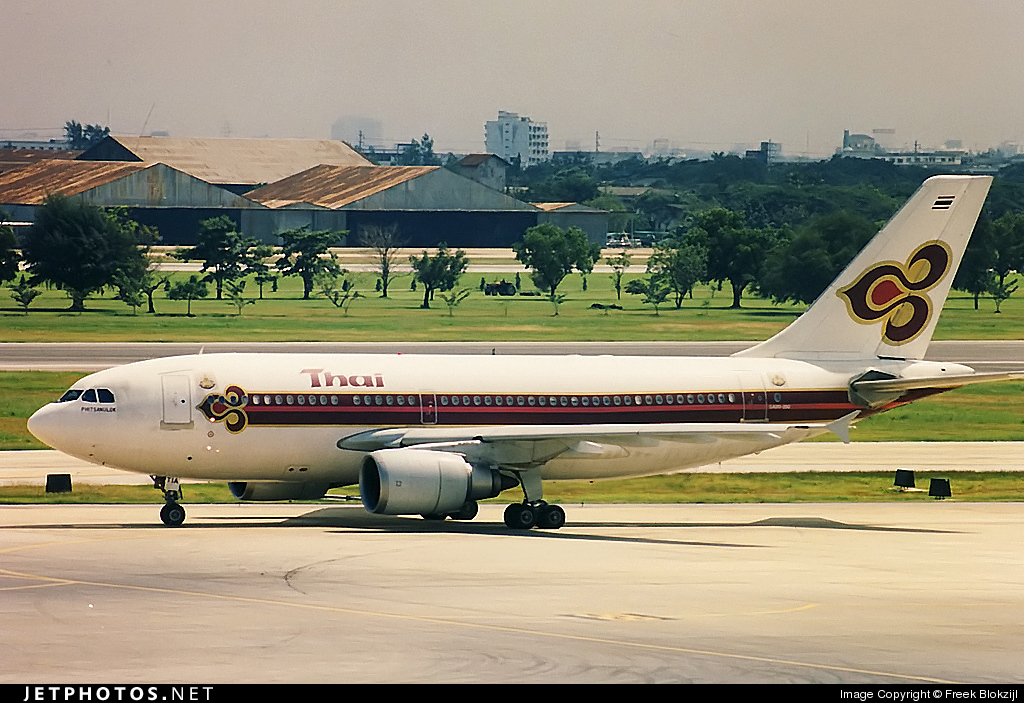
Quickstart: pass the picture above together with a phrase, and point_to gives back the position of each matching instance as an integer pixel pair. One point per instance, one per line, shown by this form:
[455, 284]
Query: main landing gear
[533, 511]
[172, 514]
[523, 516]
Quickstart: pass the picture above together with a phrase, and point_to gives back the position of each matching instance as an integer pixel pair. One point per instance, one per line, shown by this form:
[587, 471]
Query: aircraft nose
[45, 425]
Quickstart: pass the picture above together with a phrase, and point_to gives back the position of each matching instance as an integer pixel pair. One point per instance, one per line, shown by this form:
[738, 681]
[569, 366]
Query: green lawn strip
[284, 316]
[804, 487]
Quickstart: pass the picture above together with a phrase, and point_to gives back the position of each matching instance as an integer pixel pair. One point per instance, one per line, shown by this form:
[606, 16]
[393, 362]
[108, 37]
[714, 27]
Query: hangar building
[174, 184]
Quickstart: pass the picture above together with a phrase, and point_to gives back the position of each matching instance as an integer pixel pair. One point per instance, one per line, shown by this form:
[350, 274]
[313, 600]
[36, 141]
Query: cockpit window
[89, 396]
[104, 395]
[71, 394]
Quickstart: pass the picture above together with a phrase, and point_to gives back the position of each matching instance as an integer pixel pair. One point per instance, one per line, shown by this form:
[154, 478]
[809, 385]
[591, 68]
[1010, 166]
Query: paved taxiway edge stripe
[54, 581]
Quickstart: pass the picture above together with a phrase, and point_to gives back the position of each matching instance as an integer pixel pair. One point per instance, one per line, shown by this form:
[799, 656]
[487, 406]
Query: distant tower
[512, 136]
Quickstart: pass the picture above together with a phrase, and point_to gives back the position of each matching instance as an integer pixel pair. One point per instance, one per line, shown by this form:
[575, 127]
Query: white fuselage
[279, 417]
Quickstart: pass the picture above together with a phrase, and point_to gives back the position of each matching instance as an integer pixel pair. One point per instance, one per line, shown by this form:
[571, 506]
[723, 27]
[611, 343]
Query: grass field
[284, 316]
[811, 487]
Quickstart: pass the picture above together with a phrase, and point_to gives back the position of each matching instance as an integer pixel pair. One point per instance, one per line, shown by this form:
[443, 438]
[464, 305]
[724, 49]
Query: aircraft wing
[532, 445]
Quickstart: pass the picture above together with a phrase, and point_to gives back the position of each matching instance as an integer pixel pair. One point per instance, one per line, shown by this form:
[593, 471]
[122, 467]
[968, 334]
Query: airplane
[431, 435]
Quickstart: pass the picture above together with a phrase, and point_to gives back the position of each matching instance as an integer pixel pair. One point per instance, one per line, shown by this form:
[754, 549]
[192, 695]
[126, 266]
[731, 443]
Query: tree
[619, 265]
[1000, 291]
[552, 254]
[419, 153]
[341, 297]
[9, 256]
[1007, 237]
[192, 289]
[735, 252]
[438, 272]
[679, 266]
[586, 262]
[259, 266]
[79, 137]
[23, 293]
[571, 186]
[308, 254]
[655, 290]
[79, 248]
[140, 277]
[236, 291]
[802, 265]
[385, 243]
[975, 275]
[129, 290]
[226, 254]
[453, 298]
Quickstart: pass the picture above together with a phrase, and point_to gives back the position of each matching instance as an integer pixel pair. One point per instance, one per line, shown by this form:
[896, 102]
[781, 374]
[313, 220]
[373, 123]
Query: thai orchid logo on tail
[897, 293]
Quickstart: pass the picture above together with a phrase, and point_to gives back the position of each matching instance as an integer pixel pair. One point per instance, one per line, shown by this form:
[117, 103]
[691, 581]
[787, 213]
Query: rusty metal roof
[548, 207]
[334, 186]
[240, 161]
[16, 158]
[29, 185]
[471, 160]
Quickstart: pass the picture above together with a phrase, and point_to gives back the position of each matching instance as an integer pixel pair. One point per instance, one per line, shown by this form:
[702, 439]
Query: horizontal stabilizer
[899, 385]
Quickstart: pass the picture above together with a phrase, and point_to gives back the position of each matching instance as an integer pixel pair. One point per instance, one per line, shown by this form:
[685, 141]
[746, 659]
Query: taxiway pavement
[914, 593]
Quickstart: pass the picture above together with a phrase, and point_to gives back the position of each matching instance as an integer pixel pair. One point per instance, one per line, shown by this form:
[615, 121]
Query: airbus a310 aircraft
[432, 435]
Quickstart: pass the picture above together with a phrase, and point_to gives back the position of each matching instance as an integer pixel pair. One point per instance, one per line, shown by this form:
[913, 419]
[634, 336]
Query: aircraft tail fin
[887, 301]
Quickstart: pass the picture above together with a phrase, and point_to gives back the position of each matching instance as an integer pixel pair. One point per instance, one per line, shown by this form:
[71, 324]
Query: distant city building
[37, 144]
[923, 158]
[511, 137]
[861, 146]
[767, 154]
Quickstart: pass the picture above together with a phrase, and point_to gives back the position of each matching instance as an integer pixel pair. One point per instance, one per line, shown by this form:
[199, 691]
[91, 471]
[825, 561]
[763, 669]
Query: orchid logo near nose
[897, 293]
[229, 408]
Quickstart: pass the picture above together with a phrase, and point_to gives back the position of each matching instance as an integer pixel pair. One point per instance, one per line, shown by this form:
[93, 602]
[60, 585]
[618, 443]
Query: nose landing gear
[172, 514]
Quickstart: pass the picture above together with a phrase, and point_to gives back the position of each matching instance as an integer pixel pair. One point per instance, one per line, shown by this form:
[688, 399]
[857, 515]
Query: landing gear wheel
[520, 516]
[468, 511]
[550, 517]
[172, 514]
[433, 517]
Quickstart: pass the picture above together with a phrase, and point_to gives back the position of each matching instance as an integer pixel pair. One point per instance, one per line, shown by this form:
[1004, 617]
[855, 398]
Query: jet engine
[277, 490]
[424, 482]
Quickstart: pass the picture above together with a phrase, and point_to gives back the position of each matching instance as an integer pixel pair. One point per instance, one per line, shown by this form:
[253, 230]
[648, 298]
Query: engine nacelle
[277, 490]
[424, 482]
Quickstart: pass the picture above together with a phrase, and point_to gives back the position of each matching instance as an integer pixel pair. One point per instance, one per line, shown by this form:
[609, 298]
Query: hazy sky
[704, 74]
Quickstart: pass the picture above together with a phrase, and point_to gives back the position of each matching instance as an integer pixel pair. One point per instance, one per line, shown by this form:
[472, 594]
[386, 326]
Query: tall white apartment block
[510, 136]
